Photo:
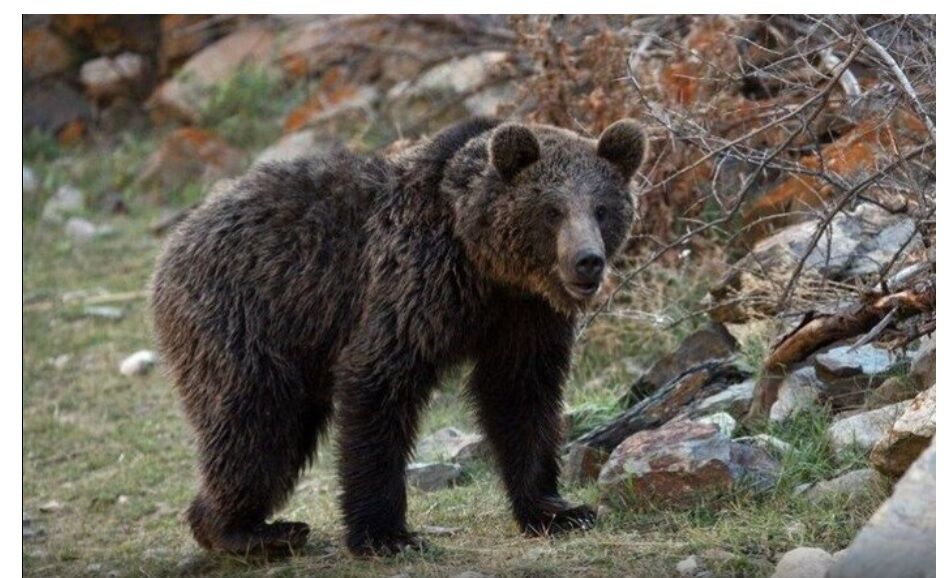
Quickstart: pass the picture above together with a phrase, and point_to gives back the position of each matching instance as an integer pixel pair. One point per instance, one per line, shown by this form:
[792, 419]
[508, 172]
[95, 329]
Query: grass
[115, 455]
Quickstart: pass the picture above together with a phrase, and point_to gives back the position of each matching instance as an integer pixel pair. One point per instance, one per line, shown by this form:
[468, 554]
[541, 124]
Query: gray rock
[79, 229]
[854, 484]
[923, 364]
[908, 438]
[138, 363]
[429, 477]
[104, 312]
[454, 445]
[899, 539]
[109, 77]
[30, 181]
[66, 201]
[864, 430]
[850, 373]
[734, 400]
[690, 566]
[803, 563]
[798, 391]
[459, 76]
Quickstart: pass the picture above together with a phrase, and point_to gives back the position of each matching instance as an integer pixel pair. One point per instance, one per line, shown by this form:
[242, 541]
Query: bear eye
[553, 213]
[600, 213]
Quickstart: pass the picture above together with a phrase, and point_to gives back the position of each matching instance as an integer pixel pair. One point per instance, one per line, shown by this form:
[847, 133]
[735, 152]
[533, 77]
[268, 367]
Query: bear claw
[387, 545]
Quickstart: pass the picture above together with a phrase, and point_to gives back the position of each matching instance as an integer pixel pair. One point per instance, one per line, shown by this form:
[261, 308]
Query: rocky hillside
[754, 395]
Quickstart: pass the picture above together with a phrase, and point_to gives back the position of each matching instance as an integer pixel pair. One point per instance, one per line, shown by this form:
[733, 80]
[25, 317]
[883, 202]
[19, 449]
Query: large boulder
[908, 438]
[899, 539]
[681, 461]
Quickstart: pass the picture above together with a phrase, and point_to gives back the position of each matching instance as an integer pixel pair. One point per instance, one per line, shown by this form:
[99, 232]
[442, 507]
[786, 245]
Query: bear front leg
[517, 384]
[379, 405]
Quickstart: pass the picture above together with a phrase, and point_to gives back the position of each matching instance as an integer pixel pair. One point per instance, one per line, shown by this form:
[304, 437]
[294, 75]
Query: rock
[899, 539]
[61, 361]
[66, 201]
[803, 563]
[51, 507]
[908, 438]
[188, 155]
[850, 373]
[185, 95]
[30, 182]
[893, 390]
[106, 77]
[863, 430]
[723, 421]
[734, 400]
[452, 445]
[857, 244]
[304, 143]
[851, 485]
[768, 443]
[429, 477]
[471, 574]
[82, 230]
[138, 363]
[679, 461]
[709, 343]
[491, 100]
[55, 108]
[690, 566]
[104, 312]
[798, 391]
[583, 464]
[439, 530]
[181, 36]
[339, 106]
[45, 54]
[459, 75]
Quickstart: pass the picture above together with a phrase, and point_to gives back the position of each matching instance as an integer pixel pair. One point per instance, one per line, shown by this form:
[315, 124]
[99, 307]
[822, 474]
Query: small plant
[246, 110]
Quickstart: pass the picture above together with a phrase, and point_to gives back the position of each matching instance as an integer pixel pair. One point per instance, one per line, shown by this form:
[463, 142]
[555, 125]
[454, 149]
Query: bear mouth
[582, 291]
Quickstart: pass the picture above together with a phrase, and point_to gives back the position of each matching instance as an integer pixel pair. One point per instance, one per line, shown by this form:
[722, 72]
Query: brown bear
[345, 285]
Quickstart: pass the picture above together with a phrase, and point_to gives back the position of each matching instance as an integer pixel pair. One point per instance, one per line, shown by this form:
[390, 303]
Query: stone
[181, 36]
[106, 312]
[908, 438]
[138, 363]
[734, 400]
[690, 566]
[51, 507]
[712, 342]
[64, 202]
[679, 461]
[55, 108]
[865, 429]
[491, 100]
[429, 477]
[799, 391]
[30, 181]
[304, 143]
[184, 96]
[453, 445]
[471, 574]
[439, 530]
[723, 421]
[899, 539]
[339, 107]
[850, 374]
[81, 230]
[803, 563]
[893, 390]
[851, 485]
[458, 76]
[45, 54]
[188, 155]
[583, 464]
[106, 77]
[922, 369]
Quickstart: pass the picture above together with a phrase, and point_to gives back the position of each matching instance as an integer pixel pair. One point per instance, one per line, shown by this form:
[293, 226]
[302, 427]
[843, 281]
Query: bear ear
[513, 147]
[624, 144]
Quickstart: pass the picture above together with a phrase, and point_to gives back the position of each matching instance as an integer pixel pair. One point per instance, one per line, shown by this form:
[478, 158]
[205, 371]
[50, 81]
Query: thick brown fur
[352, 283]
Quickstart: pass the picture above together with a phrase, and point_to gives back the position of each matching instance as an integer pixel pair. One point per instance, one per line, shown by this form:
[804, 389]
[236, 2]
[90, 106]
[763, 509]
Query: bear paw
[389, 544]
[564, 518]
[278, 538]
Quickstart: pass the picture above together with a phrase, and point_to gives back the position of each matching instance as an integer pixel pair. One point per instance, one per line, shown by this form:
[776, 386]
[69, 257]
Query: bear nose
[589, 266]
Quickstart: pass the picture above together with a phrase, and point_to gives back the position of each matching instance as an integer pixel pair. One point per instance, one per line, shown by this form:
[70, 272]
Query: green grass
[116, 454]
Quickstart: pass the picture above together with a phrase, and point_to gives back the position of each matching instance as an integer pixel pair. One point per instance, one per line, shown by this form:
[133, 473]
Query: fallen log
[819, 331]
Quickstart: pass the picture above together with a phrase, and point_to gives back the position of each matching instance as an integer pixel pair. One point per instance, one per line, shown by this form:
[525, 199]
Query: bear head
[543, 210]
